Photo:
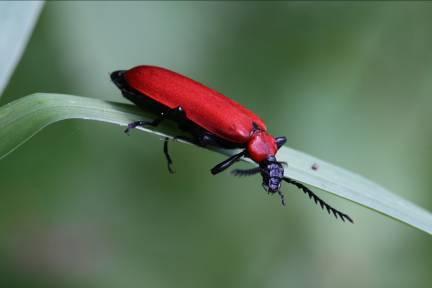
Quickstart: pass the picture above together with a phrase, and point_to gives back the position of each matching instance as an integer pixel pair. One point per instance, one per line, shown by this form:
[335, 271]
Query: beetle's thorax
[261, 146]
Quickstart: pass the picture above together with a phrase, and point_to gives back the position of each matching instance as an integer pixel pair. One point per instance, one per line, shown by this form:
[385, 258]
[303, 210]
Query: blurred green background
[82, 205]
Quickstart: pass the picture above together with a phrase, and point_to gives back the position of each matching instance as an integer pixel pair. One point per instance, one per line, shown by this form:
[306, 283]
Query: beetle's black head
[272, 173]
[117, 78]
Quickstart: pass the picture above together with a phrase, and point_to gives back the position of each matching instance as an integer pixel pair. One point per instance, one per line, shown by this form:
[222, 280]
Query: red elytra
[206, 107]
[212, 119]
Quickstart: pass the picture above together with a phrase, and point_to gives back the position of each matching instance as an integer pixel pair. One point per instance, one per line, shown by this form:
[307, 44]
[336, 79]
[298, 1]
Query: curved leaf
[23, 118]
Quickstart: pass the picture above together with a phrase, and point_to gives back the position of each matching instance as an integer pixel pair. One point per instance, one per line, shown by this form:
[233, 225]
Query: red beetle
[211, 119]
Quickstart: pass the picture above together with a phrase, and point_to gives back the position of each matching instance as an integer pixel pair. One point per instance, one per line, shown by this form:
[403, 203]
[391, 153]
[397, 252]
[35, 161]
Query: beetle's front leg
[228, 162]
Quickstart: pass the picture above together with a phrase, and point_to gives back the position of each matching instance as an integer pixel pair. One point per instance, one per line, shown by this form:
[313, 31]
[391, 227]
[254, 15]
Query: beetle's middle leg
[168, 157]
[166, 152]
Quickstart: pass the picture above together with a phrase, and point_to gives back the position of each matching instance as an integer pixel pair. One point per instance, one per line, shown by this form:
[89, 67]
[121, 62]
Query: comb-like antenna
[319, 201]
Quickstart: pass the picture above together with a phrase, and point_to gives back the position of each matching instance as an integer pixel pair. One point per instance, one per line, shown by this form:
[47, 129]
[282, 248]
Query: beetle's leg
[135, 124]
[227, 163]
[166, 152]
[246, 172]
[168, 157]
[176, 111]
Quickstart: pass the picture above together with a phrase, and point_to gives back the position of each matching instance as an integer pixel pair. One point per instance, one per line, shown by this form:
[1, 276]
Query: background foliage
[84, 205]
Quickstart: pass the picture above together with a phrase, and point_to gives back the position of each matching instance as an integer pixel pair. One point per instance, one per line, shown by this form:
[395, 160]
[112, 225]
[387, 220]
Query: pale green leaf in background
[17, 20]
[23, 118]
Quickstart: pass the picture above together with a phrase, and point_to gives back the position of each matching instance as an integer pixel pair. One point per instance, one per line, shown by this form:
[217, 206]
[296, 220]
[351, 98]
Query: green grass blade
[17, 20]
[354, 187]
[23, 118]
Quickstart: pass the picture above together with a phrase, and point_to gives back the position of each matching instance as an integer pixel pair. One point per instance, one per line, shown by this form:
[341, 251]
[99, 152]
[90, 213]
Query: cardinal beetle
[211, 119]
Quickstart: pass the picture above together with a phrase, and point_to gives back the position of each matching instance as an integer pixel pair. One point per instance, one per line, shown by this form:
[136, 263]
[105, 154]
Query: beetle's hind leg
[176, 113]
[135, 124]
[165, 115]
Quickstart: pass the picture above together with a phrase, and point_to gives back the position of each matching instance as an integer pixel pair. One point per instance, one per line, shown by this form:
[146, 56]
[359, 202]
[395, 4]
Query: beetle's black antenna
[282, 196]
[168, 157]
[319, 201]
[246, 172]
